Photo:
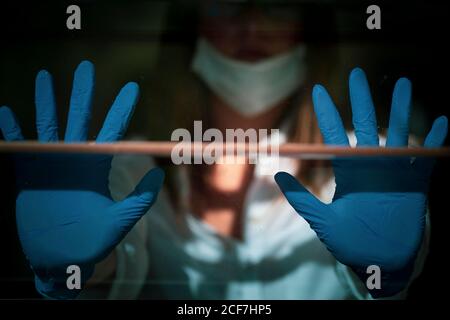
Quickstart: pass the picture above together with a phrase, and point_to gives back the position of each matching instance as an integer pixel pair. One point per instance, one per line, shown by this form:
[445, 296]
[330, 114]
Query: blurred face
[250, 32]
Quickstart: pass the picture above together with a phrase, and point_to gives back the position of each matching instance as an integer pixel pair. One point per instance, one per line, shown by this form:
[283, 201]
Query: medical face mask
[250, 88]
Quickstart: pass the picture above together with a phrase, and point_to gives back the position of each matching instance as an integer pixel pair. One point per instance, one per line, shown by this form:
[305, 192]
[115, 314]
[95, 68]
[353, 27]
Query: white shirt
[177, 256]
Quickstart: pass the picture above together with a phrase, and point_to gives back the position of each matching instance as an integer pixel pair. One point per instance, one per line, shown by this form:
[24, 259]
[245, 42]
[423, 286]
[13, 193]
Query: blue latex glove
[64, 210]
[377, 216]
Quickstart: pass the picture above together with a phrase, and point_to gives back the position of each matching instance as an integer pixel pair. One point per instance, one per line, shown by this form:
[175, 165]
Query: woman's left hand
[377, 216]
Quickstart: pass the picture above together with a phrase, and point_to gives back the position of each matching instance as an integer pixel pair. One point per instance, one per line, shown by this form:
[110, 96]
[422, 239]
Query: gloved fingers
[132, 208]
[437, 134]
[328, 118]
[46, 118]
[80, 103]
[364, 118]
[314, 211]
[434, 139]
[119, 115]
[398, 130]
[9, 125]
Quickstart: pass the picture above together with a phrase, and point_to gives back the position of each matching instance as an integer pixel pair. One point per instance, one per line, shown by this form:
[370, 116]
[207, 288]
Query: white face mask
[250, 88]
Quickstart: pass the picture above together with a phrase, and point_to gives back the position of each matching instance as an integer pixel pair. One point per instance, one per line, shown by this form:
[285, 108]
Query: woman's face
[250, 32]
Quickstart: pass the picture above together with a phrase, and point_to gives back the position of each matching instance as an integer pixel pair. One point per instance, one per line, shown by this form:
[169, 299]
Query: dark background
[122, 39]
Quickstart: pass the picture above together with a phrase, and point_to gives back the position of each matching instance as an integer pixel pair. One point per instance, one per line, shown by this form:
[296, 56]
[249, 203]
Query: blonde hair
[175, 97]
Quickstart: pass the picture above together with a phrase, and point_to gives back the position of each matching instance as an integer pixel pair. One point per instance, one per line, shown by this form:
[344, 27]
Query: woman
[224, 231]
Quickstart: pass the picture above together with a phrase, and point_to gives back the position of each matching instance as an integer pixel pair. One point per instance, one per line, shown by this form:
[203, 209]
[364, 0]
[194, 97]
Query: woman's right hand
[64, 210]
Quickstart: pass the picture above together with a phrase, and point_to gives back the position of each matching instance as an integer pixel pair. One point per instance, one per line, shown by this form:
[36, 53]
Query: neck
[225, 117]
[219, 190]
